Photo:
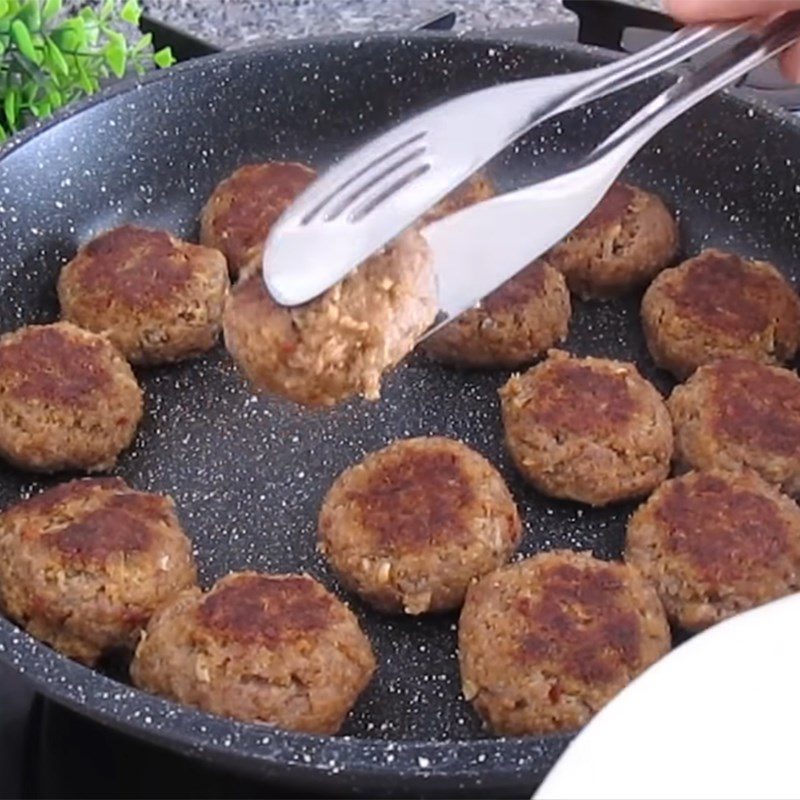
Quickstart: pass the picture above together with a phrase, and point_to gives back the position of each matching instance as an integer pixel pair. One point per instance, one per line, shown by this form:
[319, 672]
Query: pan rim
[299, 755]
[133, 83]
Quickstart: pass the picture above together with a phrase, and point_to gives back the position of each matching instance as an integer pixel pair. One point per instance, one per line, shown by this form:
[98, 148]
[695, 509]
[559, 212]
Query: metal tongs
[383, 187]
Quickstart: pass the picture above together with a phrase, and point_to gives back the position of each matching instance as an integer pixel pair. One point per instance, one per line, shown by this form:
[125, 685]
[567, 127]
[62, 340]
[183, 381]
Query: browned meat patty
[84, 565]
[622, 244]
[545, 643]
[737, 414]
[515, 325]
[718, 305]
[341, 343]
[474, 190]
[243, 208]
[279, 649]
[587, 429]
[413, 524]
[68, 399]
[156, 298]
[715, 544]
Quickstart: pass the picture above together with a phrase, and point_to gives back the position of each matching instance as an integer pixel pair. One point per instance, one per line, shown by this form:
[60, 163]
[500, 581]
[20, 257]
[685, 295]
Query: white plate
[716, 718]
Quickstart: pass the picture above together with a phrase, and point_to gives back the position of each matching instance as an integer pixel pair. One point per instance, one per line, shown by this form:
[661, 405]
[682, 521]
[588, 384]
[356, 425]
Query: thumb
[710, 10]
[790, 64]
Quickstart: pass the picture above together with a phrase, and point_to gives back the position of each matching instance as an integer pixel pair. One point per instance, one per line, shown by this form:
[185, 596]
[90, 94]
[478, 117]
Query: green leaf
[30, 92]
[71, 35]
[87, 84]
[4, 7]
[92, 33]
[164, 58]
[143, 43]
[107, 9]
[30, 15]
[51, 8]
[57, 58]
[116, 57]
[41, 109]
[131, 12]
[115, 37]
[11, 107]
[65, 40]
[22, 38]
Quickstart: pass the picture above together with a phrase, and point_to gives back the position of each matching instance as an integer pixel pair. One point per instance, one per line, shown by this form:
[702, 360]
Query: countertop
[229, 23]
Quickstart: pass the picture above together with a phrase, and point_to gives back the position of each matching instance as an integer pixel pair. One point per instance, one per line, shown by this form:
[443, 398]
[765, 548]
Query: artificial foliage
[49, 58]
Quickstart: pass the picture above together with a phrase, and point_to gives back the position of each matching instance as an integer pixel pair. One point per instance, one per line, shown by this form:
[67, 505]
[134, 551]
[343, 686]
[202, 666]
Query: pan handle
[441, 22]
[602, 23]
[184, 46]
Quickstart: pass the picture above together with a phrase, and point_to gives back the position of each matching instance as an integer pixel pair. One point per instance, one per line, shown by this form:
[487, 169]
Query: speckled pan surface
[248, 474]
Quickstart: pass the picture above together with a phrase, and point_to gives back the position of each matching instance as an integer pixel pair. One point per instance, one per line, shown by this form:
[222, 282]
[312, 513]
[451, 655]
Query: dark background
[15, 701]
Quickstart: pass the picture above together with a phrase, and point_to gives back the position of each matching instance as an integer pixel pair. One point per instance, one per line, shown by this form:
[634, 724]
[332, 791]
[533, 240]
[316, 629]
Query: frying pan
[248, 474]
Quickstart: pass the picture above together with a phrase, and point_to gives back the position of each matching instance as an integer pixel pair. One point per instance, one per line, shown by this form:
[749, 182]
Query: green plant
[48, 59]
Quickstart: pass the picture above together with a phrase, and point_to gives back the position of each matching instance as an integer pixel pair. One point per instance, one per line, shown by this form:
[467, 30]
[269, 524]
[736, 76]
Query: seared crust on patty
[716, 544]
[279, 649]
[737, 414]
[156, 298]
[627, 239]
[718, 305]
[84, 565]
[413, 524]
[242, 209]
[545, 643]
[341, 343]
[515, 325]
[68, 400]
[590, 429]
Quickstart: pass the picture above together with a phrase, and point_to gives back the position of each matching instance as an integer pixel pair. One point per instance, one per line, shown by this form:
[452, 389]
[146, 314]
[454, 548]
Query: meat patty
[68, 399]
[279, 649]
[341, 343]
[628, 238]
[156, 298]
[515, 325]
[84, 565]
[737, 414]
[718, 305]
[545, 643]
[242, 209]
[587, 429]
[413, 524]
[714, 544]
[518, 322]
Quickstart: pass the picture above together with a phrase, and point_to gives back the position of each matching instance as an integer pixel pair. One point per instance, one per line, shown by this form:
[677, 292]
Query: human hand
[717, 10]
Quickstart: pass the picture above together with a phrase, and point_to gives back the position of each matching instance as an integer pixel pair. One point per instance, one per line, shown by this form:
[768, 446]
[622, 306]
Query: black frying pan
[248, 475]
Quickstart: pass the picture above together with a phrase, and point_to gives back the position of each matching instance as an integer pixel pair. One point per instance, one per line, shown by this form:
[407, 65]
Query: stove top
[47, 751]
